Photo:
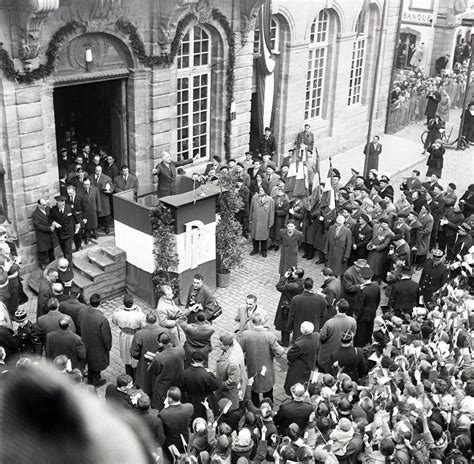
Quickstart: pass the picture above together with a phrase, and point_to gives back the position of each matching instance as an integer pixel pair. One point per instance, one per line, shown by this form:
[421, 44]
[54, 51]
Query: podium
[194, 212]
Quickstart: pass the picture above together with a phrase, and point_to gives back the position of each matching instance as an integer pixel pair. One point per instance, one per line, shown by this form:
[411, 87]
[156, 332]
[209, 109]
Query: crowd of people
[377, 361]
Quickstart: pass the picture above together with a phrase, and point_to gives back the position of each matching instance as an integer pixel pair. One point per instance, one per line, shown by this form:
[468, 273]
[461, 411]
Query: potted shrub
[230, 245]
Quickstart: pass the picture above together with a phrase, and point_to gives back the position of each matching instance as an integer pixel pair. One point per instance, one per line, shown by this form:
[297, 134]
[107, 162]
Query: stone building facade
[176, 76]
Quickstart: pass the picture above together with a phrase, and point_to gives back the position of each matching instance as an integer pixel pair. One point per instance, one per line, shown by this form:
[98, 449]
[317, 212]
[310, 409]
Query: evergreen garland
[138, 47]
[166, 260]
[52, 54]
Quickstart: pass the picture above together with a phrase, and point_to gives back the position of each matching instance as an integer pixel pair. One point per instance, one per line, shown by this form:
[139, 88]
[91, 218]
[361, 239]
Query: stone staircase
[98, 268]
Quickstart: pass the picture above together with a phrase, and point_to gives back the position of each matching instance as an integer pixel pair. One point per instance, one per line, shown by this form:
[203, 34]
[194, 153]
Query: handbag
[216, 313]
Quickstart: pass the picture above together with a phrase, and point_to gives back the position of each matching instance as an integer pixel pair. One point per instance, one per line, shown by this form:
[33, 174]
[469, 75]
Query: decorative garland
[162, 226]
[52, 54]
[127, 28]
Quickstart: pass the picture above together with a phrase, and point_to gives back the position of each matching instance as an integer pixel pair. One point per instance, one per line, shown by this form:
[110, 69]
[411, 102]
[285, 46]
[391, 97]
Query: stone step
[113, 252]
[88, 269]
[101, 260]
[82, 281]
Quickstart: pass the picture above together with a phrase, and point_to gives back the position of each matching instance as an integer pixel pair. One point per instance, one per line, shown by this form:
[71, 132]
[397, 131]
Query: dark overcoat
[97, 337]
[289, 249]
[309, 307]
[144, 341]
[361, 236]
[45, 237]
[288, 289]
[166, 371]
[377, 258]
[372, 153]
[68, 343]
[432, 279]
[302, 359]
[104, 197]
[92, 208]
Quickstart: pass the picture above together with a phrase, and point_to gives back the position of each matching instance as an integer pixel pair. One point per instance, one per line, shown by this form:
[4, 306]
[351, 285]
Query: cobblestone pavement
[259, 275]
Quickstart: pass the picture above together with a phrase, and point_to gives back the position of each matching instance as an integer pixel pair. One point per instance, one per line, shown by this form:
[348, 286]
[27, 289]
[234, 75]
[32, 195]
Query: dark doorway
[97, 112]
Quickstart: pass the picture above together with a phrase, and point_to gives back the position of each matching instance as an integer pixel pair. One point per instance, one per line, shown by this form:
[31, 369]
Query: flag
[265, 68]
[297, 184]
[328, 197]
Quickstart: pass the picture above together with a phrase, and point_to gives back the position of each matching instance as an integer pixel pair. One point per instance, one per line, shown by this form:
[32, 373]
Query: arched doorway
[90, 95]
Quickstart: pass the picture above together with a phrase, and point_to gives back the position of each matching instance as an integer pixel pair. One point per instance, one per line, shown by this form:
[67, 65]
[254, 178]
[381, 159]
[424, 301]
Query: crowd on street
[378, 359]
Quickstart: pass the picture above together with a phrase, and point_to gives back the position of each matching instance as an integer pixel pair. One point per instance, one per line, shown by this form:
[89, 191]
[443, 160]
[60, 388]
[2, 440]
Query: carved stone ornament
[95, 15]
[248, 17]
[169, 13]
[247, 25]
[31, 16]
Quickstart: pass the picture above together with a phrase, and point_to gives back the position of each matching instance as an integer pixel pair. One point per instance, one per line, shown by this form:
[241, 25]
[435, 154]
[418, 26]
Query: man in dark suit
[302, 356]
[65, 341]
[400, 253]
[92, 209]
[126, 181]
[97, 337]
[176, 421]
[106, 187]
[365, 314]
[242, 216]
[404, 295]
[76, 199]
[166, 176]
[372, 152]
[305, 138]
[308, 306]
[351, 359]
[297, 411]
[165, 370]
[110, 167]
[49, 322]
[266, 143]
[72, 306]
[44, 229]
[66, 224]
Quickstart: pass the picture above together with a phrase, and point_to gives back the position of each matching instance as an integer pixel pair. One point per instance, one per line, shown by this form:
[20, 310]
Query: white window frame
[317, 62]
[192, 70]
[274, 37]
[359, 51]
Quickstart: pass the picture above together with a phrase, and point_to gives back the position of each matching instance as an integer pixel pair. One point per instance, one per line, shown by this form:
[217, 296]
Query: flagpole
[373, 99]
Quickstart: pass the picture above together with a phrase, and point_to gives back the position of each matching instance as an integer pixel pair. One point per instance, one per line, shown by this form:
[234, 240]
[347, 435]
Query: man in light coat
[331, 334]
[129, 320]
[260, 347]
[262, 216]
[168, 314]
[246, 312]
[338, 246]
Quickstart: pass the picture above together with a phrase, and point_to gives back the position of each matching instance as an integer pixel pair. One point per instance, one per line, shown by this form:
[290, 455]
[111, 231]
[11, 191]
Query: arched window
[357, 61]
[194, 83]
[274, 33]
[318, 53]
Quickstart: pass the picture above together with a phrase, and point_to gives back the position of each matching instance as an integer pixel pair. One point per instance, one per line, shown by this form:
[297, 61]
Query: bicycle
[445, 138]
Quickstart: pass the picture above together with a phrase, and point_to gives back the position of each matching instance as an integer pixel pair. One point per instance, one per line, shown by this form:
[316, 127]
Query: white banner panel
[197, 245]
[137, 245]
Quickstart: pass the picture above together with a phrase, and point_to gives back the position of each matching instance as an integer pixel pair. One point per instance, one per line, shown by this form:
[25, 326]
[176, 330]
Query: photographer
[289, 285]
[200, 297]
[433, 97]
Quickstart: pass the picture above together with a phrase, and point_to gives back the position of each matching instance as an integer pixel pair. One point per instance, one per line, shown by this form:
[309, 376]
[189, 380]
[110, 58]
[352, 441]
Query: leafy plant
[162, 224]
[230, 245]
